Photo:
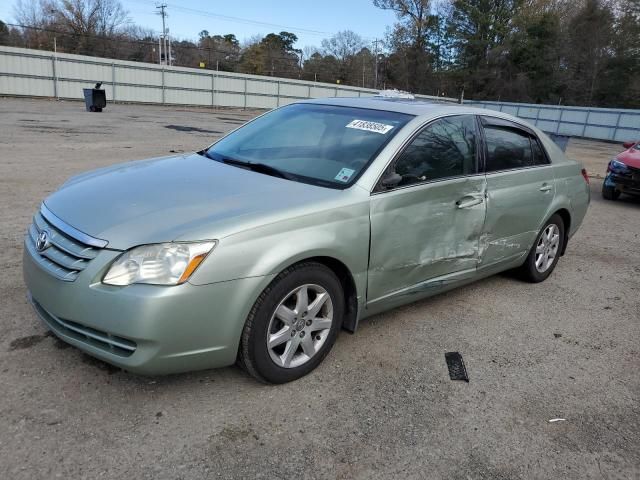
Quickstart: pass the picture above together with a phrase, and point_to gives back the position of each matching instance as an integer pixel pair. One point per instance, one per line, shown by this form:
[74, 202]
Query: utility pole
[375, 81]
[163, 12]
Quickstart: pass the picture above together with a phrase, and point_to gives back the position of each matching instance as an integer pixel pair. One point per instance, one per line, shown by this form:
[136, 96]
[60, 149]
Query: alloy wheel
[299, 326]
[547, 248]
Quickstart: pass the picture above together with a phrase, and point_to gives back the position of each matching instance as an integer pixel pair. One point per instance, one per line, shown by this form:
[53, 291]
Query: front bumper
[145, 329]
[627, 183]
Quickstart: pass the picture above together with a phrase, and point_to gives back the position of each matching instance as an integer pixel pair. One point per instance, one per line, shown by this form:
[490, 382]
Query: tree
[589, 46]
[343, 48]
[343, 45]
[410, 37]
[479, 29]
[221, 52]
[90, 25]
[620, 81]
[321, 68]
[535, 54]
[273, 55]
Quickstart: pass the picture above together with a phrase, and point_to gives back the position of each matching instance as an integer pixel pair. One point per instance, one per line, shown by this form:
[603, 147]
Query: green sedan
[262, 247]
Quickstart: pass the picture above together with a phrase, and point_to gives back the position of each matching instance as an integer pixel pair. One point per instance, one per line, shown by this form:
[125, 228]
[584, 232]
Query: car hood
[630, 157]
[188, 197]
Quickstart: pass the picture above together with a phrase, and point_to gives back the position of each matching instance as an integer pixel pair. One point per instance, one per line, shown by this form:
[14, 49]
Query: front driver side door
[430, 224]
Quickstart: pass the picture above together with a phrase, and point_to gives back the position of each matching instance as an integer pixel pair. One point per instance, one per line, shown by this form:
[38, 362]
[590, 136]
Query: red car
[623, 173]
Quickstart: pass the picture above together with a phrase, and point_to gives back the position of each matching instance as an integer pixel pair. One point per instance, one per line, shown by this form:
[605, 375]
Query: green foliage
[575, 52]
[273, 55]
[584, 52]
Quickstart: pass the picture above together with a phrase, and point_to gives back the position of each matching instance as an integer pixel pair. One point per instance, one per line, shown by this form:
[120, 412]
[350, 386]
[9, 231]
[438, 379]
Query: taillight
[585, 176]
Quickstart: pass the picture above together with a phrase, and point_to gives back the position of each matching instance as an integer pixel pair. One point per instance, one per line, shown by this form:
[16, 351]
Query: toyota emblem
[42, 242]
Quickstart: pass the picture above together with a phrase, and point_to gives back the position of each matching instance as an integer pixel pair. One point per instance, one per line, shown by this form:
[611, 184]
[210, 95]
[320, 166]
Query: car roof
[417, 107]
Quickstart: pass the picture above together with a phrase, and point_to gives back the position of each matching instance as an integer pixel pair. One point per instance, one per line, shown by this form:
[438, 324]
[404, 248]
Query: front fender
[341, 233]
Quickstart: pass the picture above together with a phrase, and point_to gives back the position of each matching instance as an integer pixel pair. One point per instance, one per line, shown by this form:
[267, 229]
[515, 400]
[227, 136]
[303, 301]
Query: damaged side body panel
[516, 209]
[420, 233]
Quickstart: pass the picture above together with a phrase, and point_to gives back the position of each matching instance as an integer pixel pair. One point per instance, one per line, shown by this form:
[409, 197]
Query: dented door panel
[517, 202]
[420, 232]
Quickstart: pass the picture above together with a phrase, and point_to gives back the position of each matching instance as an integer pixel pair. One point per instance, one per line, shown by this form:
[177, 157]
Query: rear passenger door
[520, 189]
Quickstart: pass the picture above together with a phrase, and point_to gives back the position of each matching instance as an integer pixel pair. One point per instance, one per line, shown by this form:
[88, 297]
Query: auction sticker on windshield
[370, 126]
[344, 175]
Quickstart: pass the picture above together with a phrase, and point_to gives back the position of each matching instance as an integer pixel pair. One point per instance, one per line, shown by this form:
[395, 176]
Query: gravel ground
[380, 406]
[593, 154]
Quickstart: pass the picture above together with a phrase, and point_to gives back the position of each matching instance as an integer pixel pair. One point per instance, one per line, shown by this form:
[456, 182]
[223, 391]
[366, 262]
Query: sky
[310, 20]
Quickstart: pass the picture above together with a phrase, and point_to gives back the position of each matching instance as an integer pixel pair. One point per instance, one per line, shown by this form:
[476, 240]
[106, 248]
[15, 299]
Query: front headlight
[618, 165]
[159, 264]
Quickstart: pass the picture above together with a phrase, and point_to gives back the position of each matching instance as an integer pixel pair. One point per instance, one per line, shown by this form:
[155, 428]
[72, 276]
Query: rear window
[322, 144]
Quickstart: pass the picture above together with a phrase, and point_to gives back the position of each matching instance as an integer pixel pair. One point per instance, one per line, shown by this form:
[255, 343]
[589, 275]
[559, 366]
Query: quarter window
[509, 147]
[445, 148]
[539, 157]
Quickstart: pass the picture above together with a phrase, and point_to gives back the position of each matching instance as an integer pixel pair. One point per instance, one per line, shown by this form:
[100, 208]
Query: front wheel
[293, 324]
[545, 253]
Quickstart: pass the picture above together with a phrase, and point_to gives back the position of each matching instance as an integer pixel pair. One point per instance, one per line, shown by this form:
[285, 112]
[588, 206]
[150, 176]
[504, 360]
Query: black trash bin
[94, 98]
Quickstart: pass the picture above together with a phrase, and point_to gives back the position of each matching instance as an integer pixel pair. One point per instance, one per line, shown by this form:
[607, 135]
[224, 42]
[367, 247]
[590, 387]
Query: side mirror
[628, 144]
[392, 179]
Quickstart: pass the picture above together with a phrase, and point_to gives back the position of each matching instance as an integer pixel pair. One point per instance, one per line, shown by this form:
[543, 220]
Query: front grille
[96, 338]
[66, 256]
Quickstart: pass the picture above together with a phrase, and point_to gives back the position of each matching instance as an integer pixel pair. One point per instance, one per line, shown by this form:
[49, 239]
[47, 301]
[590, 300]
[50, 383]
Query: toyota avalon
[262, 247]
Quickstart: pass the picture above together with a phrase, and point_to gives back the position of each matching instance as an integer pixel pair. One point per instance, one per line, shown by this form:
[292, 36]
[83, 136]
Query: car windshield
[320, 144]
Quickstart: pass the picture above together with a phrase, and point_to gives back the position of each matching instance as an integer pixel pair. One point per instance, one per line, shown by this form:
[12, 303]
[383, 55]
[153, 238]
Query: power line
[289, 57]
[245, 21]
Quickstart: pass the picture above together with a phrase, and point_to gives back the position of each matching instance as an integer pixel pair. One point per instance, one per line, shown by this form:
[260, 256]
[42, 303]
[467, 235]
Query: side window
[510, 147]
[445, 148]
[507, 148]
[539, 158]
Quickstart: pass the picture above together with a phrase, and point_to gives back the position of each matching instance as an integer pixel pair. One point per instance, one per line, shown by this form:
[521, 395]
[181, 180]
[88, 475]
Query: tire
[610, 193]
[304, 342]
[536, 269]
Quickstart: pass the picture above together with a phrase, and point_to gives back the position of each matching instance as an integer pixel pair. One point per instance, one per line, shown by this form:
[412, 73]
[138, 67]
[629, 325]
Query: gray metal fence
[598, 123]
[40, 73]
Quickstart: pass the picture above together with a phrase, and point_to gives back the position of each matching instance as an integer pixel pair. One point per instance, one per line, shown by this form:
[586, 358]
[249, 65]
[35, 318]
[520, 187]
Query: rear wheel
[293, 324]
[545, 253]
[610, 193]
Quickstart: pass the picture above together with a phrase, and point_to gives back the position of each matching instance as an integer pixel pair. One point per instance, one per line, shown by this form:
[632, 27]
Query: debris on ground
[455, 364]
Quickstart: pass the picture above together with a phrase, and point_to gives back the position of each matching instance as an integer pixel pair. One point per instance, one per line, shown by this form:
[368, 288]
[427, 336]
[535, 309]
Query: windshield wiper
[205, 153]
[258, 167]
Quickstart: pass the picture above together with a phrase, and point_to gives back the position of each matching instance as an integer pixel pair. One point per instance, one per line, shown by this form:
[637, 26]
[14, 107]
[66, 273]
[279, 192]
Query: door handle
[470, 201]
[545, 187]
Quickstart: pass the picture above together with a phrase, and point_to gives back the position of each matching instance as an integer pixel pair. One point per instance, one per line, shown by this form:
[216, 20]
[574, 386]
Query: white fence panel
[598, 123]
[262, 88]
[262, 101]
[229, 84]
[187, 80]
[40, 73]
[142, 76]
[320, 92]
[33, 66]
[132, 93]
[37, 87]
[292, 90]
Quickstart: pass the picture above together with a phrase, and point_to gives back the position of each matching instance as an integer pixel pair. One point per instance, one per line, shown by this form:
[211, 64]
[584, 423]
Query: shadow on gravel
[184, 128]
[26, 342]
